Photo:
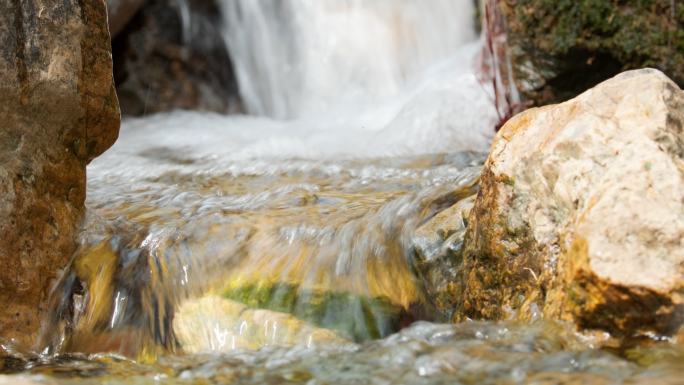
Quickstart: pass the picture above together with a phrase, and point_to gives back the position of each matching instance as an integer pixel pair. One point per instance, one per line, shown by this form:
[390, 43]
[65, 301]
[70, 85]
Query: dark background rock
[559, 48]
[120, 12]
[171, 56]
[59, 110]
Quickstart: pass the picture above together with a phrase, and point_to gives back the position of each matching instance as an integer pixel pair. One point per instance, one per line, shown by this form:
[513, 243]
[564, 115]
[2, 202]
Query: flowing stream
[278, 247]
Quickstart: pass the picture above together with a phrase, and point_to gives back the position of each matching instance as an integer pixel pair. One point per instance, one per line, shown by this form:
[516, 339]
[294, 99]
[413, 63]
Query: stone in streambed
[216, 324]
[58, 110]
[25, 380]
[352, 316]
[438, 246]
[580, 215]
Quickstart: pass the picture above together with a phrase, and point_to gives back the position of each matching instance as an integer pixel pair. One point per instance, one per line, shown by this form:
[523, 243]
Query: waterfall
[294, 58]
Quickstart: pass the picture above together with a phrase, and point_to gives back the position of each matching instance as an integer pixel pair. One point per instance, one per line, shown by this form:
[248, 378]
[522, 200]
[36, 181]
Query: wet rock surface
[351, 316]
[438, 246]
[59, 110]
[580, 215]
[215, 324]
[171, 55]
[561, 48]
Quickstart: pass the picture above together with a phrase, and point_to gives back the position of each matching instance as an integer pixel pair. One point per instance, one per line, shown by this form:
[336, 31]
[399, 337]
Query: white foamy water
[354, 78]
[446, 110]
[295, 58]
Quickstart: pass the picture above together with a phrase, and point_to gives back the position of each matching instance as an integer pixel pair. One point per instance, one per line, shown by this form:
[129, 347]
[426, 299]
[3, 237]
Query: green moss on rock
[559, 48]
[356, 317]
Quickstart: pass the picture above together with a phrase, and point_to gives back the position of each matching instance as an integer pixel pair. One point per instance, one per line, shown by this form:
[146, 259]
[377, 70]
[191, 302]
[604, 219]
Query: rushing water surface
[279, 248]
[425, 353]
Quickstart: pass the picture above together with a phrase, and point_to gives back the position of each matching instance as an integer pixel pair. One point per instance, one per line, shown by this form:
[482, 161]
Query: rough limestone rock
[580, 215]
[58, 110]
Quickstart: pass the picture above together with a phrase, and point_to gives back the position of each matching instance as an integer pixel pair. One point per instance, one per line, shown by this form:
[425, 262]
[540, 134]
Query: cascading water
[391, 74]
[295, 58]
[295, 228]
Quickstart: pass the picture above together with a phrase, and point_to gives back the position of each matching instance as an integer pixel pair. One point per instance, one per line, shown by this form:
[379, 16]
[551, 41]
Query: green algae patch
[356, 317]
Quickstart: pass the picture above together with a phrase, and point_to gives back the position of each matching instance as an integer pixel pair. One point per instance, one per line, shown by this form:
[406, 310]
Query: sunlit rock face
[58, 110]
[581, 212]
[215, 324]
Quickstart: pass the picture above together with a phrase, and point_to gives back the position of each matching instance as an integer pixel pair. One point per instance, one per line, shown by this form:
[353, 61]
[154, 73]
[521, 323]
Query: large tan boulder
[58, 110]
[580, 215]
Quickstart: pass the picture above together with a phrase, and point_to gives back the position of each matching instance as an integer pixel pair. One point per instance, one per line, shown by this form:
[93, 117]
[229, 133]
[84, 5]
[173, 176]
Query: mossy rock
[353, 316]
[559, 48]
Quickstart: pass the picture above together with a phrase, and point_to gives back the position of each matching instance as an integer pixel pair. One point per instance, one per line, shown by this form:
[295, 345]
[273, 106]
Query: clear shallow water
[328, 240]
[470, 353]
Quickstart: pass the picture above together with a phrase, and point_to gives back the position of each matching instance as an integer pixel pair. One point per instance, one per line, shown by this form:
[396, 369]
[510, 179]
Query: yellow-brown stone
[58, 110]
